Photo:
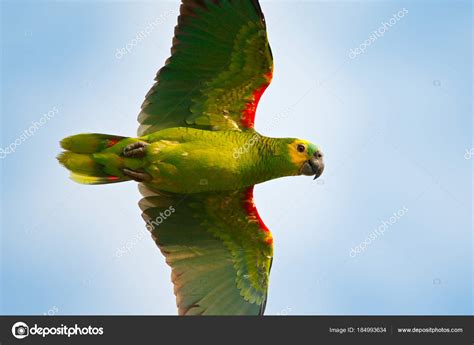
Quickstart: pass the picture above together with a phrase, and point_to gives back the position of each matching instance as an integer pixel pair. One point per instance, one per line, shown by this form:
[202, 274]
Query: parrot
[197, 157]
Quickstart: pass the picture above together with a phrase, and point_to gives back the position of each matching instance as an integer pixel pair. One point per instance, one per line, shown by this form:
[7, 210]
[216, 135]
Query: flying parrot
[197, 158]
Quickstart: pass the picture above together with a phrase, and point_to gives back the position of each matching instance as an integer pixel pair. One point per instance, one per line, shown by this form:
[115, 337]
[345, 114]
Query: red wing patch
[112, 142]
[248, 114]
[252, 212]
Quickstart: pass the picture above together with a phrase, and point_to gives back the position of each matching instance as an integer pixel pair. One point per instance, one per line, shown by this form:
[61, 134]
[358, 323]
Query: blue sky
[395, 123]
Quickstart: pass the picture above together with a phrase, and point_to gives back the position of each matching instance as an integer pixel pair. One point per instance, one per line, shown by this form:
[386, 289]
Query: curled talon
[135, 150]
[138, 176]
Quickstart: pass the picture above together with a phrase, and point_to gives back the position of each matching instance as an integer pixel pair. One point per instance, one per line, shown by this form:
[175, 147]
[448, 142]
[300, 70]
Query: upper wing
[218, 248]
[221, 64]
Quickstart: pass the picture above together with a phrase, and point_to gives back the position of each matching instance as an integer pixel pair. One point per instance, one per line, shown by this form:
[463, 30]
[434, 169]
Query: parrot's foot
[138, 176]
[135, 150]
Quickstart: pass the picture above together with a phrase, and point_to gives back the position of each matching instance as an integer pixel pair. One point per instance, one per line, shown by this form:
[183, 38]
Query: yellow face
[300, 151]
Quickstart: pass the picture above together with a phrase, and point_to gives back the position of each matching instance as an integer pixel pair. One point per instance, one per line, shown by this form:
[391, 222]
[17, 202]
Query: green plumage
[209, 256]
[198, 157]
[186, 160]
[220, 57]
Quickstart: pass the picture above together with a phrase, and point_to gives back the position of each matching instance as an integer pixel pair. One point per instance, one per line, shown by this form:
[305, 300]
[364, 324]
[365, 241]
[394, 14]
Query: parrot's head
[306, 157]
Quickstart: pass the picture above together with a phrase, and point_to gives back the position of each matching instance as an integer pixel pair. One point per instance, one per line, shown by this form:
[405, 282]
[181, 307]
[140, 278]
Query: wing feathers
[220, 57]
[219, 254]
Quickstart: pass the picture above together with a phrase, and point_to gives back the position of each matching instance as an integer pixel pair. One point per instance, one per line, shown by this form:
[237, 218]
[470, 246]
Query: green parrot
[197, 158]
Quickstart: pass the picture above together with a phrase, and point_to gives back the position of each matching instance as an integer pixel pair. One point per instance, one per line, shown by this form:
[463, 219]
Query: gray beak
[313, 166]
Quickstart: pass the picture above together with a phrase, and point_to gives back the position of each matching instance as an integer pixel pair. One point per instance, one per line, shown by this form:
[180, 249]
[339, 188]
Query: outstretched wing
[221, 64]
[218, 248]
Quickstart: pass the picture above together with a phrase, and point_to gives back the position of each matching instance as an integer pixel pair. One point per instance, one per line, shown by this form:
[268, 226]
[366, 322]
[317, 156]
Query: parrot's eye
[300, 148]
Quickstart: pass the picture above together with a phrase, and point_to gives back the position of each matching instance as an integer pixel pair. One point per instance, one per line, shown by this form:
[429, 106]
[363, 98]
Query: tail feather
[87, 179]
[89, 143]
[88, 163]
[80, 163]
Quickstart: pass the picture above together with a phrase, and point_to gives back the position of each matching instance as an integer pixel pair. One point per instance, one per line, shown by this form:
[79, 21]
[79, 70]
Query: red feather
[248, 114]
[252, 212]
[112, 142]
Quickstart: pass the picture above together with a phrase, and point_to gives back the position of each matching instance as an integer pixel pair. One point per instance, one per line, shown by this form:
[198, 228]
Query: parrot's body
[197, 158]
[184, 160]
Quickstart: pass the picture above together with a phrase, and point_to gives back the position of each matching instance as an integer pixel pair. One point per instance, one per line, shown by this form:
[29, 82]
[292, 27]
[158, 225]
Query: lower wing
[219, 250]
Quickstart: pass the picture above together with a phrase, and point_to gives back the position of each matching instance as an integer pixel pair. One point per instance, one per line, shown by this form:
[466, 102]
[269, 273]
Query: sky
[387, 229]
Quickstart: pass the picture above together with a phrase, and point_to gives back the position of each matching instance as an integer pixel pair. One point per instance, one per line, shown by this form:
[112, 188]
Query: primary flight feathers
[220, 65]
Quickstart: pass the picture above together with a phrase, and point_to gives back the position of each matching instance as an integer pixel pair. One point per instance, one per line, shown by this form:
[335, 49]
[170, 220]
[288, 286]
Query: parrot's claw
[138, 176]
[135, 150]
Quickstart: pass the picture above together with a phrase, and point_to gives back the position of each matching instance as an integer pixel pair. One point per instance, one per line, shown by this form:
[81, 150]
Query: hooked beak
[313, 166]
